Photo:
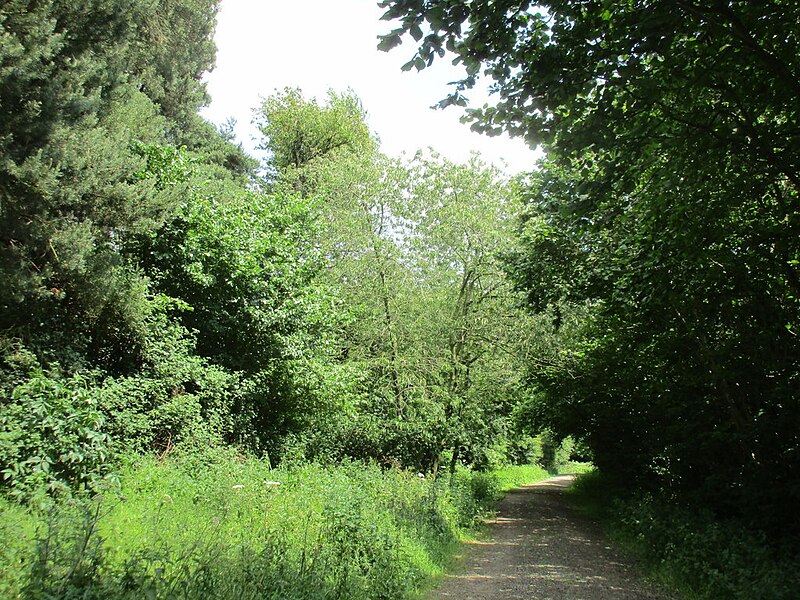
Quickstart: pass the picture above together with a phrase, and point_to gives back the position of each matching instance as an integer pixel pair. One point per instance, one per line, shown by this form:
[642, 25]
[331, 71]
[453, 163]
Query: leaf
[389, 41]
[449, 101]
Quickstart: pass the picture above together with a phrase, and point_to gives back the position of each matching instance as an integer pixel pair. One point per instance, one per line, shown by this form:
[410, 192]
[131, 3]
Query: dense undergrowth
[687, 548]
[222, 526]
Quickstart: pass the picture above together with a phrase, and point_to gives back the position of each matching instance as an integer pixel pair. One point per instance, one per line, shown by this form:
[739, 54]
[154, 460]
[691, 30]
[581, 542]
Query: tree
[359, 199]
[173, 49]
[411, 253]
[73, 122]
[297, 131]
[414, 252]
[460, 223]
[669, 203]
[555, 63]
[101, 149]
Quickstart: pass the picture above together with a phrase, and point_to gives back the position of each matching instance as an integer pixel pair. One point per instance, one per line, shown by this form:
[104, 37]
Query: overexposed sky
[316, 45]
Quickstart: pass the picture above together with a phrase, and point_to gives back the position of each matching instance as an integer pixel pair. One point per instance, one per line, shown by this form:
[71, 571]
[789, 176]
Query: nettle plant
[51, 437]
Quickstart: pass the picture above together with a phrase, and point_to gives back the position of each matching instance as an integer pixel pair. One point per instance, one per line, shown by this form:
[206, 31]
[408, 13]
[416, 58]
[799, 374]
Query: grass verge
[486, 490]
[220, 526]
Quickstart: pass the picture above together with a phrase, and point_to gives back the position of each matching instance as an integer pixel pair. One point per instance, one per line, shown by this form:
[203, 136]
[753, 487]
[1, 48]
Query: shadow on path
[539, 549]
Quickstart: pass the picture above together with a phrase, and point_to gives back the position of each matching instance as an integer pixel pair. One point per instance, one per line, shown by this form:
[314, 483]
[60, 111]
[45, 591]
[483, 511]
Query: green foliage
[52, 437]
[472, 494]
[173, 48]
[89, 96]
[691, 550]
[413, 251]
[98, 104]
[298, 131]
[410, 252]
[674, 330]
[242, 269]
[157, 413]
[243, 266]
[562, 68]
[222, 527]
[667, 206]
[169, 166]
[68, 555]
[414, 444]
[63, 215]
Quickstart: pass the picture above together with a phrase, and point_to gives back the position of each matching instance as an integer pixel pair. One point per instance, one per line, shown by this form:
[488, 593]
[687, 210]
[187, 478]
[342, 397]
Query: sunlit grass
[231, 527]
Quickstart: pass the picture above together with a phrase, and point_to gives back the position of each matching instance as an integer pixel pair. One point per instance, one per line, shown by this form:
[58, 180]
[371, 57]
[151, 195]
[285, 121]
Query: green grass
[578, 468]
[514, 476]
[690, 551]
[17, 534]
[511, 477]
[219, 526]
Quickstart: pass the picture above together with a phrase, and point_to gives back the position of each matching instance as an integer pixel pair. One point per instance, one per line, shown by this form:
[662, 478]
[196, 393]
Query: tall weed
[238, 529]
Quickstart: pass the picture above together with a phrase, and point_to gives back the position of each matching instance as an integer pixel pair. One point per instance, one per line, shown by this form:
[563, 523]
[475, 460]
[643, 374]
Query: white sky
[316, 45]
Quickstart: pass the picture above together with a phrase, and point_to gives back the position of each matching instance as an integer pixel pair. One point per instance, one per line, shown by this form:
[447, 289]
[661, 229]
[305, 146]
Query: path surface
[539, 549]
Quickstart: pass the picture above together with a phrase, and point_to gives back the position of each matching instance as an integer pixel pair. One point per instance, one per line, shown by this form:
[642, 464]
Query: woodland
[309, 377]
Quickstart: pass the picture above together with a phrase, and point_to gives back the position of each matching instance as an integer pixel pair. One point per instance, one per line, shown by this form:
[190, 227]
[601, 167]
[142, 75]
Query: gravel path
[539, 549]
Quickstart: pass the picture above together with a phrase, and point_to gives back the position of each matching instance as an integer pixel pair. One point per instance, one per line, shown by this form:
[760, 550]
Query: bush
[159, 414]
[516, 475]
[707, 557]
[690, 549]
[472, 494]
[366, 437]
[52, 437]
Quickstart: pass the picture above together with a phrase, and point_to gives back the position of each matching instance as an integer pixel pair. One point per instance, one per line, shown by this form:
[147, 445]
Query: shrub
[52, 437]
[708, 557]
[689, 548]
[366, 437]
[220, 530]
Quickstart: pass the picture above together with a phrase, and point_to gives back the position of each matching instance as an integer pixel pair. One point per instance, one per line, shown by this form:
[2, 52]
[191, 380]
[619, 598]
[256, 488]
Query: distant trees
[412, 253]
[160, 294]
[669, 203]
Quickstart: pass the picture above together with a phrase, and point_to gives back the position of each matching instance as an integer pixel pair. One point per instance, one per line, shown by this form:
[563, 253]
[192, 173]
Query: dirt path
[539, 549]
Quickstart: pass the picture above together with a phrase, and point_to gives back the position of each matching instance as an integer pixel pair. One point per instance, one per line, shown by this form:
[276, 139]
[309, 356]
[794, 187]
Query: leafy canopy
[668, 204]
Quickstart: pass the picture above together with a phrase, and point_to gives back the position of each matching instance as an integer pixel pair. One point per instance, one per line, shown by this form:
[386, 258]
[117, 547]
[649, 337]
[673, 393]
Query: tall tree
[669, 202]
[81, 105]
[460, 223]
[414, 251]
[297, 130]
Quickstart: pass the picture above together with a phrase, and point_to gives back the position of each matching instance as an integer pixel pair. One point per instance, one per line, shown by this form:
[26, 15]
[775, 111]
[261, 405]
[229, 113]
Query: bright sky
[316, 45]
